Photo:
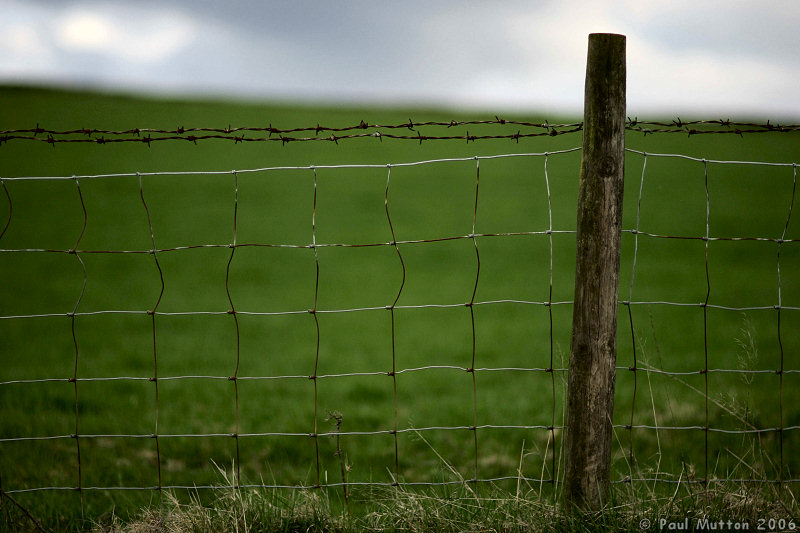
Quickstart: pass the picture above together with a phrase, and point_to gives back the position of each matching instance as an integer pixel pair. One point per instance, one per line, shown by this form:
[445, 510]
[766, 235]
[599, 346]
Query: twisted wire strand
[380, 131]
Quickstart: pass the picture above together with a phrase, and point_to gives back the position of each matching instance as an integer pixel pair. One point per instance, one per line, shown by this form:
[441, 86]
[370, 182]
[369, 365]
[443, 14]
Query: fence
[504, 348]
[153, 314]
[235, 314]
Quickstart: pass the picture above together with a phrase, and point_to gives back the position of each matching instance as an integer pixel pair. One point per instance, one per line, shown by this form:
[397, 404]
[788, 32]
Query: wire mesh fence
[312, 432]
[716, 312]
[387, 352]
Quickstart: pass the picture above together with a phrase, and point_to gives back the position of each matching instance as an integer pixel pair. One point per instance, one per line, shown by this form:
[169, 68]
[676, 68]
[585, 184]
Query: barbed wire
[410, 125]
[687, 127]
[379, 131]
[283, 135]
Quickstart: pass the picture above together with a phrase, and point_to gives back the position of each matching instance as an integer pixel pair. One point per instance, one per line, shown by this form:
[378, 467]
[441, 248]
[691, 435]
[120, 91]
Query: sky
[702, 58]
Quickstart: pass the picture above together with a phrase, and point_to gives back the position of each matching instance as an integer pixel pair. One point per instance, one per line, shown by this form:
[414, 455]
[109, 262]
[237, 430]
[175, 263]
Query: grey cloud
[491, 54]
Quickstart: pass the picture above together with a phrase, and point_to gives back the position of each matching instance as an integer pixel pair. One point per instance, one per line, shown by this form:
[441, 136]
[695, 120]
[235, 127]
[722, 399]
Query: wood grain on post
[592, 362]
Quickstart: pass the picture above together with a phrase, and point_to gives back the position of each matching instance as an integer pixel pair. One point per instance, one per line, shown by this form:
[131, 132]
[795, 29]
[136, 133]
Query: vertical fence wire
[74, 251]
[472, 319]
[2, 234]
[553, 474]
[393, 372]
[634, 367]
[10, 208]
[152, 314]
[705, 318]
[232, 312]
[314, 314]
[778, 312]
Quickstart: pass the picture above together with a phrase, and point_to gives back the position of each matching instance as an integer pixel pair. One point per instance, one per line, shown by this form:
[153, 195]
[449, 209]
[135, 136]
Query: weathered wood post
[593, 353]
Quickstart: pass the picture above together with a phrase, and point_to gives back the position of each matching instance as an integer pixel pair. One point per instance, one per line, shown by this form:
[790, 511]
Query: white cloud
[23, 44]
[85, 31]
[124, 32]
[24, 40]
[706, 82]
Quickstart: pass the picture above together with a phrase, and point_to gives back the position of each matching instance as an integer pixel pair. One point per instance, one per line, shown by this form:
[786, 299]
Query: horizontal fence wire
[378, 131]
[549, 474]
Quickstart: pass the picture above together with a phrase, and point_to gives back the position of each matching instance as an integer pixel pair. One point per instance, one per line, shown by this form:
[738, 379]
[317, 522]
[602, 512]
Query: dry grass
[423, 511]
[459, 508]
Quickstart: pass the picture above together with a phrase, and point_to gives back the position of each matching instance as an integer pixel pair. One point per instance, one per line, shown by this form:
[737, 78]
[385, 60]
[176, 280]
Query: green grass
[426, 202]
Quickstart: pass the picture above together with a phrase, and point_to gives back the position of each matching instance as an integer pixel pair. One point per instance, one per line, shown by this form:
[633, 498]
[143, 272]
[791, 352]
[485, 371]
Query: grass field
[425, 202]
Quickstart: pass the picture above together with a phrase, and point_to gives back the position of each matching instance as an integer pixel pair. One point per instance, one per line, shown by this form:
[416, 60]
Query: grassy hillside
[427, 202]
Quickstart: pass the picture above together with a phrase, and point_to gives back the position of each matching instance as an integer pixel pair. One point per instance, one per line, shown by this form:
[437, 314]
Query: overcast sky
[715, 59]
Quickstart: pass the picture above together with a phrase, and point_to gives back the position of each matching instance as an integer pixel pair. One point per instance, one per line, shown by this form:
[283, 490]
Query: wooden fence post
[593, 352]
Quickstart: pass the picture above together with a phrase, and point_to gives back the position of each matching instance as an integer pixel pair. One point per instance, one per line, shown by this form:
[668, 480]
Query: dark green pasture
[392, 338]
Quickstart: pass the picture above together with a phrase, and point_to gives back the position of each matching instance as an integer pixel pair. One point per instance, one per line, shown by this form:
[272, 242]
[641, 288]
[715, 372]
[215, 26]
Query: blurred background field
[425, 202]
